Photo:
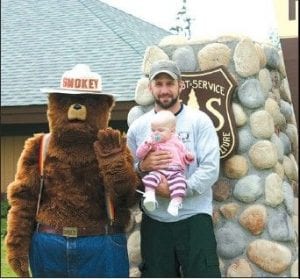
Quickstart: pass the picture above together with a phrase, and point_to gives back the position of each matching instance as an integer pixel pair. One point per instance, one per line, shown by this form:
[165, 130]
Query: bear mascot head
[86, 188]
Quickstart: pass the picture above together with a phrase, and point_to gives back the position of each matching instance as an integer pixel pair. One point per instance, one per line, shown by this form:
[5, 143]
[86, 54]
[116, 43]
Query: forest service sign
[211, 91]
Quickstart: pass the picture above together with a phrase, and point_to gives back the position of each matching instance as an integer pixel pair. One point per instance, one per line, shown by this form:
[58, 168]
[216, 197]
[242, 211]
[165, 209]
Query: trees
[183, 22]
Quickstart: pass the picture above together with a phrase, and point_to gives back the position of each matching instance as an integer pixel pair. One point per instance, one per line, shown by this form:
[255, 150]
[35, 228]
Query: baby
[163, 137]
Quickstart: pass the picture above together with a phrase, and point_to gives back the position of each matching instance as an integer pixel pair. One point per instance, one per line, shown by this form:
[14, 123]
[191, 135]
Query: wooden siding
[290, 49]
[11, 148]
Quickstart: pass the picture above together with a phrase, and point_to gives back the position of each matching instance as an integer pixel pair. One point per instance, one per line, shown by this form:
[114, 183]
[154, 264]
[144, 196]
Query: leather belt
[75, 231]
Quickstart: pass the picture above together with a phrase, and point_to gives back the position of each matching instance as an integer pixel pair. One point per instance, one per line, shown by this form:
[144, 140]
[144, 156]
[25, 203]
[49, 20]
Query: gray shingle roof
[43, 38]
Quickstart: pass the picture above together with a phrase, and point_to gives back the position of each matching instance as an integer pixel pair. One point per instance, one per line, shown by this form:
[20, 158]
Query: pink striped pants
[175, 177]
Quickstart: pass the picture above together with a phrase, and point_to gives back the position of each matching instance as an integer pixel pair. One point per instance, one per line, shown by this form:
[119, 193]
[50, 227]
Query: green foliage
[5, 269]
[4, 208]
[275, 39]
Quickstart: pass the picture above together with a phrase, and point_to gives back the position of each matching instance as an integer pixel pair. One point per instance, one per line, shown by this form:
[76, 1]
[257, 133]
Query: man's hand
[163, 188]
[156, 160]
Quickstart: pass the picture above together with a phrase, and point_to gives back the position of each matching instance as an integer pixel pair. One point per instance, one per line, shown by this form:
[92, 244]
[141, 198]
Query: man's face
[165, 90]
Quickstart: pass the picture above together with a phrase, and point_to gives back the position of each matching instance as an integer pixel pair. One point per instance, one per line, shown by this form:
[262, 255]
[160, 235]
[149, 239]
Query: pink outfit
[175, 171]
[174, 145]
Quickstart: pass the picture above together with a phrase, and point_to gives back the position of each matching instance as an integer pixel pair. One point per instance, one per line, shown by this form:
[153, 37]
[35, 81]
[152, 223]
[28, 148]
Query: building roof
[41, 39]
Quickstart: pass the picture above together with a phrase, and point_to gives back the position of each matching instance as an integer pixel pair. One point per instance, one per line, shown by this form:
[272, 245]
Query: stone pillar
[256, 197]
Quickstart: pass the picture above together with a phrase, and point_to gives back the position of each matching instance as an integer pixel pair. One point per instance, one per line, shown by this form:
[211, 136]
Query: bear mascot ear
[109, 100]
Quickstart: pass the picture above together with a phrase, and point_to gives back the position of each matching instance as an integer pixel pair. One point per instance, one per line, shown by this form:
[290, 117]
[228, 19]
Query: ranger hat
[79, 80]
[164, 66]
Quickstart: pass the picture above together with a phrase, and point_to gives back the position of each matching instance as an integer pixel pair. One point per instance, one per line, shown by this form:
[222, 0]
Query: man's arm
[208, 159]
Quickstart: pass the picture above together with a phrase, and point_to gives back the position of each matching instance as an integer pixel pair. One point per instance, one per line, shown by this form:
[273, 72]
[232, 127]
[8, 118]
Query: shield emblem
[211, 91]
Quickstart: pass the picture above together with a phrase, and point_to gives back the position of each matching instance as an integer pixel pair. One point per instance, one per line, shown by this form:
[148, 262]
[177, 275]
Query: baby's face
[160, 133]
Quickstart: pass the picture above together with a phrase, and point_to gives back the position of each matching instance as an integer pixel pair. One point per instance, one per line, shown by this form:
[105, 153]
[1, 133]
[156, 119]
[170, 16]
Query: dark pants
[185, 248]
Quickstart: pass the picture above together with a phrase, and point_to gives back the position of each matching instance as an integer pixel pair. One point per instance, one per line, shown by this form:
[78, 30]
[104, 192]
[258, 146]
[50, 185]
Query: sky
[211, 18]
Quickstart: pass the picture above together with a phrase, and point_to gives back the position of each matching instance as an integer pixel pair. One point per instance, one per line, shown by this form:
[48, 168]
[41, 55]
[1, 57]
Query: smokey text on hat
[80, 83]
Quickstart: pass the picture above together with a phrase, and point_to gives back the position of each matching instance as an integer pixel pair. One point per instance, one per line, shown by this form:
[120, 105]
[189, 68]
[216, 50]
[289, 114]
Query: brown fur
[83, 159]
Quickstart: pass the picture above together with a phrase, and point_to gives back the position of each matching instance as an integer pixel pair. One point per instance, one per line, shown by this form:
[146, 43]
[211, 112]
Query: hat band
[81, 84]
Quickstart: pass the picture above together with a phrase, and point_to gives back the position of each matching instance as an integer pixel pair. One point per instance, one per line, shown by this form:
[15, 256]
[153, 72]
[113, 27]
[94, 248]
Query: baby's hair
[164, 117]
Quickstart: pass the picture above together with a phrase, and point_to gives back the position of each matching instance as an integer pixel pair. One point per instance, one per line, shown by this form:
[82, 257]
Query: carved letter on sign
[211, 91]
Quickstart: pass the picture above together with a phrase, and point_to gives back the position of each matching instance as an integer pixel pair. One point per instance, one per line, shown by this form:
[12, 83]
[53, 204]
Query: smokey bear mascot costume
[73, 188]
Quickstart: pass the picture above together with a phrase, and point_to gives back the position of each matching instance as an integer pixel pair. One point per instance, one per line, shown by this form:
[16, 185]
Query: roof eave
[38, 113]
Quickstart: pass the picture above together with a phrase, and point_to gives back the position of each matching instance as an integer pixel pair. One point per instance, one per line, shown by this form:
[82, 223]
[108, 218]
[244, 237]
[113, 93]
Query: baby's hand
[149, 142]
[189, 156]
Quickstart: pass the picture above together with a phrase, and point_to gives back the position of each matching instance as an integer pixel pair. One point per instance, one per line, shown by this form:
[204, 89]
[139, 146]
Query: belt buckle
[70, 231]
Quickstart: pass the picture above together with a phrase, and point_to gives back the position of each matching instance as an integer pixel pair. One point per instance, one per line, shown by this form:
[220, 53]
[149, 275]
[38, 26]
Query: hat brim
[74, 92]
[171, 74]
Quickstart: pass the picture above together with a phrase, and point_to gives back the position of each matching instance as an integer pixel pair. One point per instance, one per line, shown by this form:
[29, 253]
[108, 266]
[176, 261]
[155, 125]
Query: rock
[278, 169]
[138, 217]
[263, 154]
[273, 190]
[295, 269]
[262, 124]
[246, 58]
[281, 66]
[246, 139]
[265, 80]
[143, 96]
[286, 109]
[239, 115]
[288, 195]
[272, 107]
[276, 79]
[269, 256]
[235, 167]
[221, 190]
[279, 146]
[135, 112]
[152, 54]
[253, 218]
[173, 40]
[250, 94]
[185, 59]
[134, 248]
[280, 227]
[287, 147]
[292, 133]
[261, 55]
[216, 216]
[214, 55]
[229, 210]
[272, 55]
[248, 189]
[285, 91]
[239, 268]
[134, 272]
[231, 241]
[290, 169]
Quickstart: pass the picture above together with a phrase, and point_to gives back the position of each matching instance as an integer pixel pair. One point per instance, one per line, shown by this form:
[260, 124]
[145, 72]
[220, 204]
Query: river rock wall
[256, 196]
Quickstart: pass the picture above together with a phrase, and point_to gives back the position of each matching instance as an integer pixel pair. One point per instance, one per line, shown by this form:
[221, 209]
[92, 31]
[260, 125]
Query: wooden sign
[211, 91]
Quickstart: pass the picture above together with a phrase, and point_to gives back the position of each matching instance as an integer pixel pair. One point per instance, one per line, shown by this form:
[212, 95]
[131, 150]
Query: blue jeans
[86, 256]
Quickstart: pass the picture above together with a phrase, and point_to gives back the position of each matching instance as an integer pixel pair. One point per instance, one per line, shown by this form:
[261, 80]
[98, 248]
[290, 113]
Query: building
[287, 16]
[42, 39]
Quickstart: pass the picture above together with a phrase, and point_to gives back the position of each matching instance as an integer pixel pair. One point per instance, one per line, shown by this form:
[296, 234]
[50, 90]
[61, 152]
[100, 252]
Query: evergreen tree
[183, 22]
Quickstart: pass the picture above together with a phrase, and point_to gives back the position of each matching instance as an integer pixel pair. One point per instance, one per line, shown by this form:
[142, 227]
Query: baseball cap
[79, 80]
[164, 66]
